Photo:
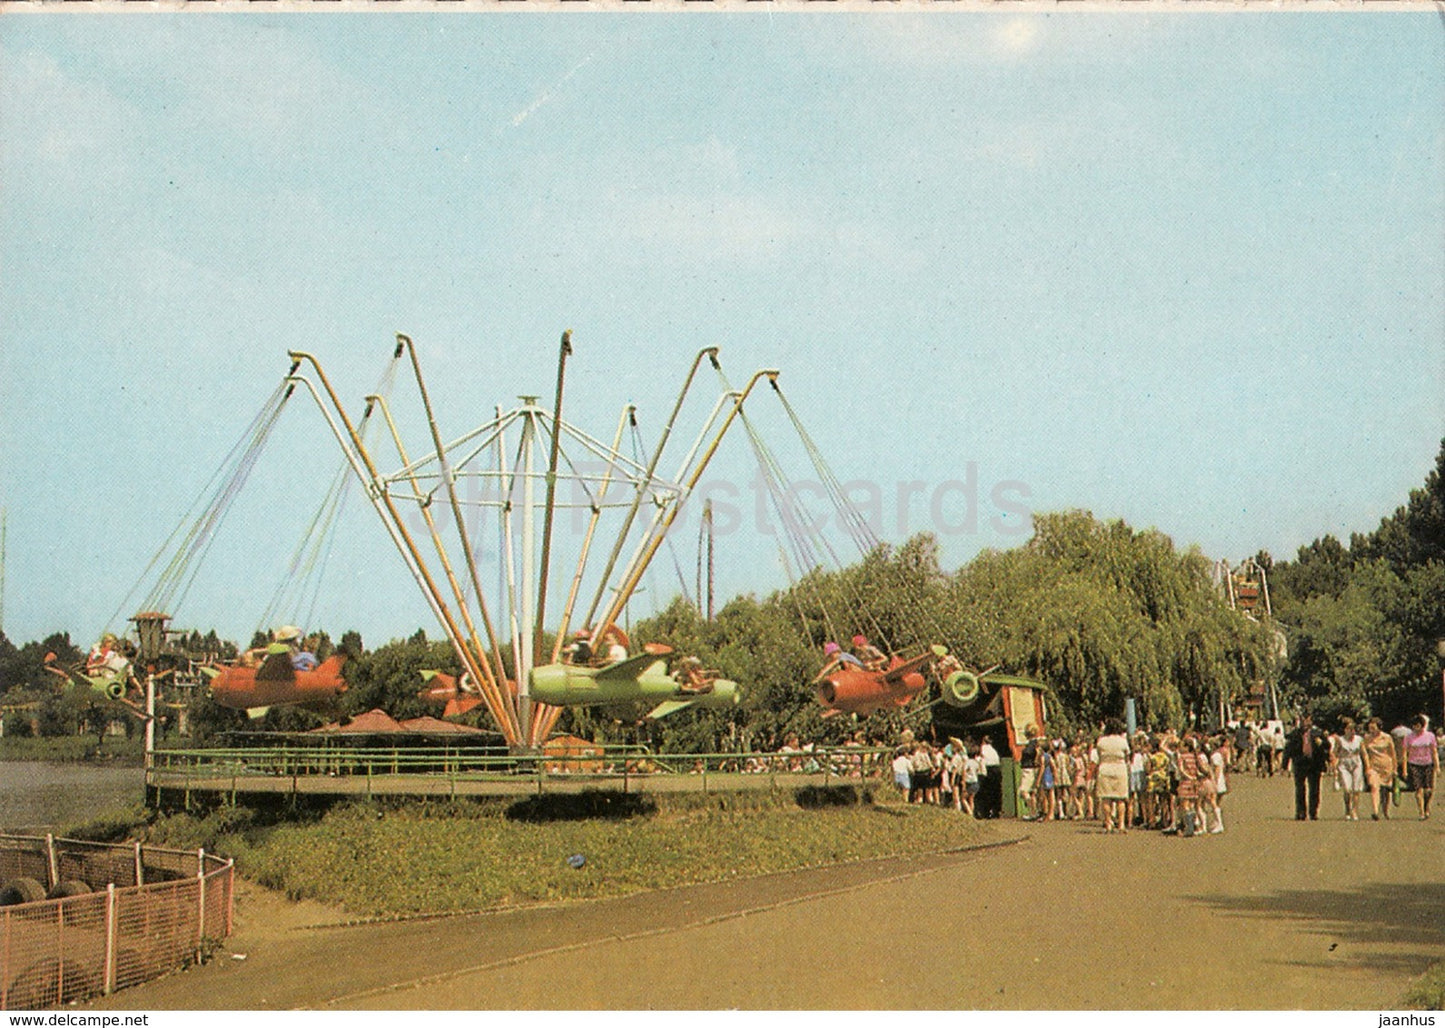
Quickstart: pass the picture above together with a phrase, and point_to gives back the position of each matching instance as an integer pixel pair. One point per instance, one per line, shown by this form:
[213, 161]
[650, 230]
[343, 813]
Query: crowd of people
[963, 775]
[1169, 782]
[1173, 782]
[1384, 764]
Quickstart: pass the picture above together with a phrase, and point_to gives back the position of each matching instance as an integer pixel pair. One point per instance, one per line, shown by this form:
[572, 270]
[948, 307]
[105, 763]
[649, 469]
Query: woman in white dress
[1348, 755]
[1113, 778]
[1218, 766]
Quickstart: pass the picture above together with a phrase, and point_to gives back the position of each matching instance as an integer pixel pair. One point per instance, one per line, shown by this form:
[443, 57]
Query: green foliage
[209, 720]
[1428, 993]
[1101, 612]
[113, 826]
[1096, 610]
[72, 748]
[78, 709]
[390, 677]
[376, 860]
[23, 675]
[1363, 622]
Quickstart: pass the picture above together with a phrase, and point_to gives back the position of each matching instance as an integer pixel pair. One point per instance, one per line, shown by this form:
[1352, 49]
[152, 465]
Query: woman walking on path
[1114, 777]
[1219, 767]
[1422, 758]
[1208, 796]
[1079, 772]
[1348, 754]
[1063, 780]
[1379, 751]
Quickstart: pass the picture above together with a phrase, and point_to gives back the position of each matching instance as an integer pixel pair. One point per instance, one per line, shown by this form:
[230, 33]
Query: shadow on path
[1355, 921]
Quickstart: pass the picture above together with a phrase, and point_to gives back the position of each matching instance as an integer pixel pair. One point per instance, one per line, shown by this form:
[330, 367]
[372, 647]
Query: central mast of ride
[479, 459]
[522, 659]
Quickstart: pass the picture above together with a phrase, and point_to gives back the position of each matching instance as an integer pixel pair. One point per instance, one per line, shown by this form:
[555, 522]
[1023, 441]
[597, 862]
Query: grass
[1429, 992]
[378, 860]
[73, 749]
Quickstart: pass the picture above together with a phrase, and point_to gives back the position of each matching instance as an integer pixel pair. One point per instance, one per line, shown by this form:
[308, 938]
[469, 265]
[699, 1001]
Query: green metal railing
[237, 769]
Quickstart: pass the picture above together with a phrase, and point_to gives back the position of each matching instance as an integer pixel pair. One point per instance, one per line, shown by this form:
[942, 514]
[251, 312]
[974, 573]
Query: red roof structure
[379, 722]
[373, 722]
[436, 726]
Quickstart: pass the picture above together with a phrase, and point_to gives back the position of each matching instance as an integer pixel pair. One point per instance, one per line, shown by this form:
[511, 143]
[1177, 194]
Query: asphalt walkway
[1272, 914]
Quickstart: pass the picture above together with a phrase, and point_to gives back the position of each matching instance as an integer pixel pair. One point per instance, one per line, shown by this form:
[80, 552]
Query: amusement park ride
[437, 499]
[1246, 589]
[277, 683]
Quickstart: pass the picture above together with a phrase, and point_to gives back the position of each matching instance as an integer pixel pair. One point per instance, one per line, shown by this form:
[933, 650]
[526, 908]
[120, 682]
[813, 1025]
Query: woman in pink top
[1422, 757]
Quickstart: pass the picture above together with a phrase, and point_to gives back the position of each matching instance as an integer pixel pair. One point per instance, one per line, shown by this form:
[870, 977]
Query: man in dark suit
[1306, 754]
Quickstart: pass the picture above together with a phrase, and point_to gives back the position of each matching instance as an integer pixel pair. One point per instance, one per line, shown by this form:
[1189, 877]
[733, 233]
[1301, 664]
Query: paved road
[1273, 914]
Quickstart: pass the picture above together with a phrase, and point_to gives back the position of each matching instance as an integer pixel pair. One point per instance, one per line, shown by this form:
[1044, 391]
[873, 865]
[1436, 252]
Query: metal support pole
[377, 493]
[522, 660]
[711, 569]
[627, 413]
[711, 354]
[551, 501]
[625, 591]
[449, 481]
[150, 742]
[617, 546]
[473, 660]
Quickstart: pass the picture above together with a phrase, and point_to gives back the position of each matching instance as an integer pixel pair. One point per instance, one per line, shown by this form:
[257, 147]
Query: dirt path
[1273, 914]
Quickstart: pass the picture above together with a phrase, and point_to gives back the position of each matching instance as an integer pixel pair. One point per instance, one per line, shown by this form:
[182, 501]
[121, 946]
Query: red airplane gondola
[459, 697]
[850, 689]
[276, 683]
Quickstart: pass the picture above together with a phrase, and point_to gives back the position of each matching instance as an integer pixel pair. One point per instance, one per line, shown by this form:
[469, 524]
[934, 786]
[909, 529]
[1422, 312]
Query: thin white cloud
[1016, 37]
[63, 130]
[545, 96]
[938, 39]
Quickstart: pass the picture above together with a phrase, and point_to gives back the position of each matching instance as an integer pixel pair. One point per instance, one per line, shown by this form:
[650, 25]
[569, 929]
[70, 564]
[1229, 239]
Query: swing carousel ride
[503, 484]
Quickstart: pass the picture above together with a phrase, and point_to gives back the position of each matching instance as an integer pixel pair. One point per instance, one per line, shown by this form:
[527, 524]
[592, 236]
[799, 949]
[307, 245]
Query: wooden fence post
[108, 986]
[200, 900]
[52, 869]
[230, 896]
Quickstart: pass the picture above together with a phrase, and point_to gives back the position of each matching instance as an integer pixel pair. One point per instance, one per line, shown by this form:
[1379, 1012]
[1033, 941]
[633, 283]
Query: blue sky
[1184, 268]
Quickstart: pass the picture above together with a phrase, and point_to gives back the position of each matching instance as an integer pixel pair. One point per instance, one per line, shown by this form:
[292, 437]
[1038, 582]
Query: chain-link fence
[86, 918]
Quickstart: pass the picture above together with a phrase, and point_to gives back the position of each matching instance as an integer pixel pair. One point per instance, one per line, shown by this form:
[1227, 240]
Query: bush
[1429, 992]
[115, 826]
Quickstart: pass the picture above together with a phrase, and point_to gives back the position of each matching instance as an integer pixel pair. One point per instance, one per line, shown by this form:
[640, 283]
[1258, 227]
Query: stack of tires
[27, 890]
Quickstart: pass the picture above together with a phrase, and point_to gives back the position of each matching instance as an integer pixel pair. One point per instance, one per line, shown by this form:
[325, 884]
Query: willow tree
[1102, 612]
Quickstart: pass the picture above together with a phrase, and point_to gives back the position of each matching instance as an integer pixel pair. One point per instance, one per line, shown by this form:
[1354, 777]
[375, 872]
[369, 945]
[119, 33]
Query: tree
[1364, 622]
[389, 678]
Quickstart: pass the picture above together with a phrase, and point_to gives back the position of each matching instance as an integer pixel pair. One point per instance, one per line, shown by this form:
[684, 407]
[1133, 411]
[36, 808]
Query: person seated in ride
[616, 652]
[835, 660]
[947, 665]
[579, 650]
[103, 657]
[304, 658]
[870, 656]
[690, 676]
[287, 635]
